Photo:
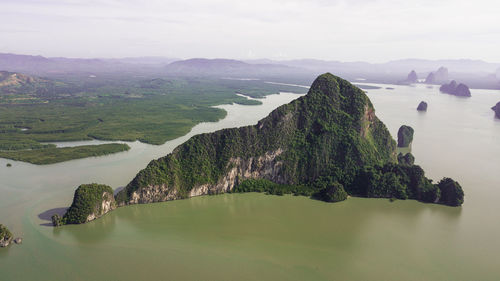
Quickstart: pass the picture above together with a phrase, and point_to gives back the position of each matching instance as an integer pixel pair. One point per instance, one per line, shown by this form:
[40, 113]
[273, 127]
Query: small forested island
[90, 202]
[327, 144]
[455, 89]
[405, 136]
[496, 108]
[422, 106]
[5, 236]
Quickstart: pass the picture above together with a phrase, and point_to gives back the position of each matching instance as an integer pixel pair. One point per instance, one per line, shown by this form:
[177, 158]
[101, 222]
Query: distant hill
[228, 67]
[21, 88]
[11, 79]
[142, 60]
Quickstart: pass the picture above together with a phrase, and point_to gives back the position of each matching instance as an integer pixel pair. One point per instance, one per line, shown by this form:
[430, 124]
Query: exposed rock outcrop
[5, 236]
[460, 90]
[405, 136]
[496, 108]
[422, 106]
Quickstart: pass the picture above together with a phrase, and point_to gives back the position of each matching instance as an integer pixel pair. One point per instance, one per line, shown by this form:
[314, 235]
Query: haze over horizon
[361, 30]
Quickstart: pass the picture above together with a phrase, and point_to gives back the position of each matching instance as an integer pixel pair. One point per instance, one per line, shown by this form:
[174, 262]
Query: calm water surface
[259, 237]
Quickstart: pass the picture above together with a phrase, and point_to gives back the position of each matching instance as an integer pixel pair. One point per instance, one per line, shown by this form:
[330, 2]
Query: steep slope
[331, 134]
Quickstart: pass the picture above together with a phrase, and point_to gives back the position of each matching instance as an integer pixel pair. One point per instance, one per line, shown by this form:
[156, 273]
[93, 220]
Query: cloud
[373, 30]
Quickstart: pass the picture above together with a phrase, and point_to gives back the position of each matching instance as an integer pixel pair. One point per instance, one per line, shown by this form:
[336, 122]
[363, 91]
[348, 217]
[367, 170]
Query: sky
[355, 30]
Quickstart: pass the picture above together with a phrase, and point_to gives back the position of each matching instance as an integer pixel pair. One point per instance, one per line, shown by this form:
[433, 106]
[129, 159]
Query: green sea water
[261, 237]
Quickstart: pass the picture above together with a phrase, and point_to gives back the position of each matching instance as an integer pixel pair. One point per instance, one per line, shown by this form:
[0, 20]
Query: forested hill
[328, 138]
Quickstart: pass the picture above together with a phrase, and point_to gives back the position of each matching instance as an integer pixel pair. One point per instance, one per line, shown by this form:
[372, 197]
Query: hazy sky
[375, 31]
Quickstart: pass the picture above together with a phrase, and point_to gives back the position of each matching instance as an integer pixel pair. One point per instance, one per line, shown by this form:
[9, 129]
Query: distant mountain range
[39, 65]
[475, 73]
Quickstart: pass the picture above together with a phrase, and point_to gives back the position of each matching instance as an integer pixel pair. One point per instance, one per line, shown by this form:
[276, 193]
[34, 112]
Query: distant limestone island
[422, 106]
[326, 145]
[496, 108]
[438, 77]
[412, 77]
[460, 90]
[405, 136]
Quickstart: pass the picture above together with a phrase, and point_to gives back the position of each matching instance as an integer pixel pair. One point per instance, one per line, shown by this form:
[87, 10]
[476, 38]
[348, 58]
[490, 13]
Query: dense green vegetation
[53, 155]
[331, 192]
[87, 200]
[406, 159]
[269, 187]
[451, 192]
[124, 108]
[405, 136]
[331, 135]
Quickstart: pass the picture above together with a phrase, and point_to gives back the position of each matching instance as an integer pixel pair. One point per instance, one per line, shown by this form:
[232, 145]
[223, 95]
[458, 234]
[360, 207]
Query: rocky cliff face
[333, 127]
